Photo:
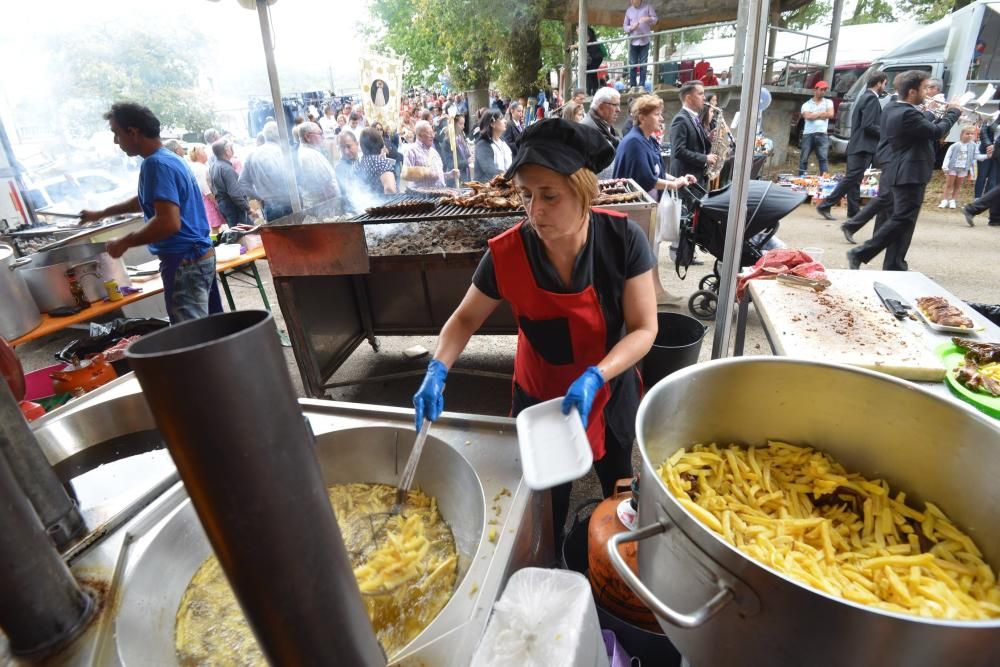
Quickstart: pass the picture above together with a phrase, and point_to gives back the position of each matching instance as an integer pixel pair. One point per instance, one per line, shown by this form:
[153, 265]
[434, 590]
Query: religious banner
[381, 82]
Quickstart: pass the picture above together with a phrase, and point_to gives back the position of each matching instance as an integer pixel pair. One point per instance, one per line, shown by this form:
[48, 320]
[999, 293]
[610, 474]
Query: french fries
[798, 511]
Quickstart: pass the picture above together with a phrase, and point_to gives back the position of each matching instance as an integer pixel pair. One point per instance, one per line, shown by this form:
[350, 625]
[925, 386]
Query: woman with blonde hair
[573, 112]
[579, 283]
[638, 157]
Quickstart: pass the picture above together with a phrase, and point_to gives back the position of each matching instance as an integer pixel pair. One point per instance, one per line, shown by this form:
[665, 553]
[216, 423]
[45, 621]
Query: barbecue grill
[450, 212]
[335, 291]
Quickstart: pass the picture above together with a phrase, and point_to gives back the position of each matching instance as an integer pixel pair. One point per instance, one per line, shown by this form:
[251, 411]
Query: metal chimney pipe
[249, 465]
[57, 511]
[43, 608]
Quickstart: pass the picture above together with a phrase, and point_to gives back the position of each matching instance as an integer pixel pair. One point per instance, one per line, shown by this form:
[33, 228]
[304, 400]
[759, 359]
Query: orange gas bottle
[610, 592]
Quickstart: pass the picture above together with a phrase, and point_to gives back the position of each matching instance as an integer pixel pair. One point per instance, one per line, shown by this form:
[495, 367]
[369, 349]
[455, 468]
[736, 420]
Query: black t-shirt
[616, 249]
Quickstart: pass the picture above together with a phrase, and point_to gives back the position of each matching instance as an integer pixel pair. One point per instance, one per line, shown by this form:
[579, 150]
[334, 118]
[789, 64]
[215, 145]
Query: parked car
[71, 192]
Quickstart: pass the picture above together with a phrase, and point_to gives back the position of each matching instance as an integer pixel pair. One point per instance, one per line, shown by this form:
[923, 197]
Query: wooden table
[50, 325]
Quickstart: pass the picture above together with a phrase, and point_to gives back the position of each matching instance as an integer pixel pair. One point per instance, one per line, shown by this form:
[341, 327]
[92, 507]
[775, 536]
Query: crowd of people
[901, 139]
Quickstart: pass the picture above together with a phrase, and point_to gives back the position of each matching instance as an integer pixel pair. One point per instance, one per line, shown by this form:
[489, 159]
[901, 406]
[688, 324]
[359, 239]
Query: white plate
[945, 327]
[554, 447]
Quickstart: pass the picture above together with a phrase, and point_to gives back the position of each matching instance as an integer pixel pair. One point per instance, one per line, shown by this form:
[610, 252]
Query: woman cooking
[580, 284]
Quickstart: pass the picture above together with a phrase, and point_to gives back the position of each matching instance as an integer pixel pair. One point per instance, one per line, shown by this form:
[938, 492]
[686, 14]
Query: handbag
[668, 216]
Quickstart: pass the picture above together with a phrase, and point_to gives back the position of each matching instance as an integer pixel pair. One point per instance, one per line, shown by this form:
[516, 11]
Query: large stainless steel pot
[46, 274]
[18, 312]
[721, 608]
[155, 585]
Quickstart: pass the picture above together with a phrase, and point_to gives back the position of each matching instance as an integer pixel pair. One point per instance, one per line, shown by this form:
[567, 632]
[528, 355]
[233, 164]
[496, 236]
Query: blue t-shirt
[164, 177]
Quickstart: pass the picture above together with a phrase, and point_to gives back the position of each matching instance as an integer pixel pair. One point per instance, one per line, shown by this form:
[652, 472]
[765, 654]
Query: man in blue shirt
[176, 228]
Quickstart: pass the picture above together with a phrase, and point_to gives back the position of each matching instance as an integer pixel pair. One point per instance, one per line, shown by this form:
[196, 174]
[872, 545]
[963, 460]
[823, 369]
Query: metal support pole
[566, 86]
[581, 56]
[831, 48]
[756, 10]
[772, 41]
[279, 110]
[656, 58]
[256, 485]
[43, 608]
[741, 43]
[56, 510]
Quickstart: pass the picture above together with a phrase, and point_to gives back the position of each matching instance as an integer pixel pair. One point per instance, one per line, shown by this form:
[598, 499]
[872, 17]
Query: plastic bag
[989, 311]
[668, 217]
[545, 618]
[103, 336]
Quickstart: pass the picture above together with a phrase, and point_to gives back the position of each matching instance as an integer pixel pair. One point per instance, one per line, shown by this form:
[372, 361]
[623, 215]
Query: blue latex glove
[429, 399]
[582, 392]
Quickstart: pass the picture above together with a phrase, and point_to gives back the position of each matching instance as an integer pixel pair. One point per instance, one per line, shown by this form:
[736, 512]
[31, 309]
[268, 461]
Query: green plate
[953, 357]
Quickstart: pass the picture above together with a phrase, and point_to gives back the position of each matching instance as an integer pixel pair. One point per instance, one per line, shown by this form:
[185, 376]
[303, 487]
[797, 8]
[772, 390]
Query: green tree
[871, 11]
[807, 15]
[928, 11]
[157, 69]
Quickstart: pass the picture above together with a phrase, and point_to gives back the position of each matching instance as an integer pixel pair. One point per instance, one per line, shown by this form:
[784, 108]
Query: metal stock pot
[46, 274]
[721, 608]
[18, 312]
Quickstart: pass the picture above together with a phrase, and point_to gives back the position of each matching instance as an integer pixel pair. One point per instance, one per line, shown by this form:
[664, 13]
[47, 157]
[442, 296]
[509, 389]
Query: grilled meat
[606, 198]
[939, 311]
[404, 207]
[970, 376]
[981, 353]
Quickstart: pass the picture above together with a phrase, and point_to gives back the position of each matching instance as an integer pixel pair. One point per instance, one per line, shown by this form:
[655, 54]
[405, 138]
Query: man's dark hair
[219, 149]
[907, 81]
[578, 91]
[688, 88]
[355, 116]
[877, 78]
[371, 141]
[131, 114]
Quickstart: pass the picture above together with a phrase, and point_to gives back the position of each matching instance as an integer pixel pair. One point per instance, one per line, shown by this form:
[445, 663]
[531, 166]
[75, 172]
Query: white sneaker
[951, 204]
[943, 204]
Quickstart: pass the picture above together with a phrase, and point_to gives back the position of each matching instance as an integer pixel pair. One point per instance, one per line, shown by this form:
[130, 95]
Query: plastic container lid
[554, 447]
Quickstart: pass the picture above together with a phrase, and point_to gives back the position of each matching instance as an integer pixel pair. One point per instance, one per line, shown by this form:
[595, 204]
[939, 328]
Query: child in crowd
[958, 164]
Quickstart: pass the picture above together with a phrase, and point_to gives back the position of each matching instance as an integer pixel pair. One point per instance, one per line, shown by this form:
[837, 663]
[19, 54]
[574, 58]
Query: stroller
[703, 224]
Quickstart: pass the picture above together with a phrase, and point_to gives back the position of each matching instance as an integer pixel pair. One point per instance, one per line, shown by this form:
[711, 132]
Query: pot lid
[6, 252]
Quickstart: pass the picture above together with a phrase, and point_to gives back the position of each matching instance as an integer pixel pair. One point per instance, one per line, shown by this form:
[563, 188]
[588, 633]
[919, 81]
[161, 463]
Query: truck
[959, 49]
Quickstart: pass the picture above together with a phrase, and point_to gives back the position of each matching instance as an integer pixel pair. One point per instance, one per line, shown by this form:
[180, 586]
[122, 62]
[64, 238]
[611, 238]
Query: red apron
[567, 332]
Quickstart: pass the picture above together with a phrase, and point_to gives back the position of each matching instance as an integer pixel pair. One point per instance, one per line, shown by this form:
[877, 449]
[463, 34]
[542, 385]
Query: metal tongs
[793, 280]
[406, 479]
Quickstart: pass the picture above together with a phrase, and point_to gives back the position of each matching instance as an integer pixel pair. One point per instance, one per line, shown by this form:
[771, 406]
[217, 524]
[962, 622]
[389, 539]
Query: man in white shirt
[422, 165]
[815, 114]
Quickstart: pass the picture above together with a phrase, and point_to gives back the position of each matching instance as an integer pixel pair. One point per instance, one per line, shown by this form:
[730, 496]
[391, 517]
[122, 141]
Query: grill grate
[439, 213]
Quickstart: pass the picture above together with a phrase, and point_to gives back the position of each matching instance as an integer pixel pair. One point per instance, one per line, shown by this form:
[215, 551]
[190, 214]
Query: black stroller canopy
[770, 202]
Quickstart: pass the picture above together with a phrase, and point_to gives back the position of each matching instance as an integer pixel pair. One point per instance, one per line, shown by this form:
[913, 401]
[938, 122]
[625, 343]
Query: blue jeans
[189, 287]
[815, 141]
[637, 55]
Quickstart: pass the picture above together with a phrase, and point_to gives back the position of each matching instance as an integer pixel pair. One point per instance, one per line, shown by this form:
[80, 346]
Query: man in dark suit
[990, 199]
[913, 138]
[690, 147]
[860, 149]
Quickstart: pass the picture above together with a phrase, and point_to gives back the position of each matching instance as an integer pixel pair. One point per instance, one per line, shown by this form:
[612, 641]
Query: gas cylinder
[610, 592]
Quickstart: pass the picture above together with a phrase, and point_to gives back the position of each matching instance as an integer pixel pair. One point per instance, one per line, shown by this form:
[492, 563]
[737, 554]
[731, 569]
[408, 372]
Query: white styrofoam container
[554, 447]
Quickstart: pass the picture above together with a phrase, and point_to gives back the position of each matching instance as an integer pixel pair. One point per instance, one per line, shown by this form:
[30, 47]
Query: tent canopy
[672, 13]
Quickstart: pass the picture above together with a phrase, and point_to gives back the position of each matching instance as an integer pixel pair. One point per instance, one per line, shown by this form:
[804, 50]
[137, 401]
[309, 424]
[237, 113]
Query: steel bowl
[145, 624]
[720, 607]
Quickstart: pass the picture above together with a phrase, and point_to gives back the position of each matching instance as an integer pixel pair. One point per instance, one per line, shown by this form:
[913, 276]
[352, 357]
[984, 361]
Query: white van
[960, 50]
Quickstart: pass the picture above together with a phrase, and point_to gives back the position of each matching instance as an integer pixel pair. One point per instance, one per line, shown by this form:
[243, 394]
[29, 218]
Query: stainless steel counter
[130, 502]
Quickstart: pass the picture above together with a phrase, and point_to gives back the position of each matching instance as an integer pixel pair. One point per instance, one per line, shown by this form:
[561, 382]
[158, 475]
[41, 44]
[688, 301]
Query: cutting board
[845, 324]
